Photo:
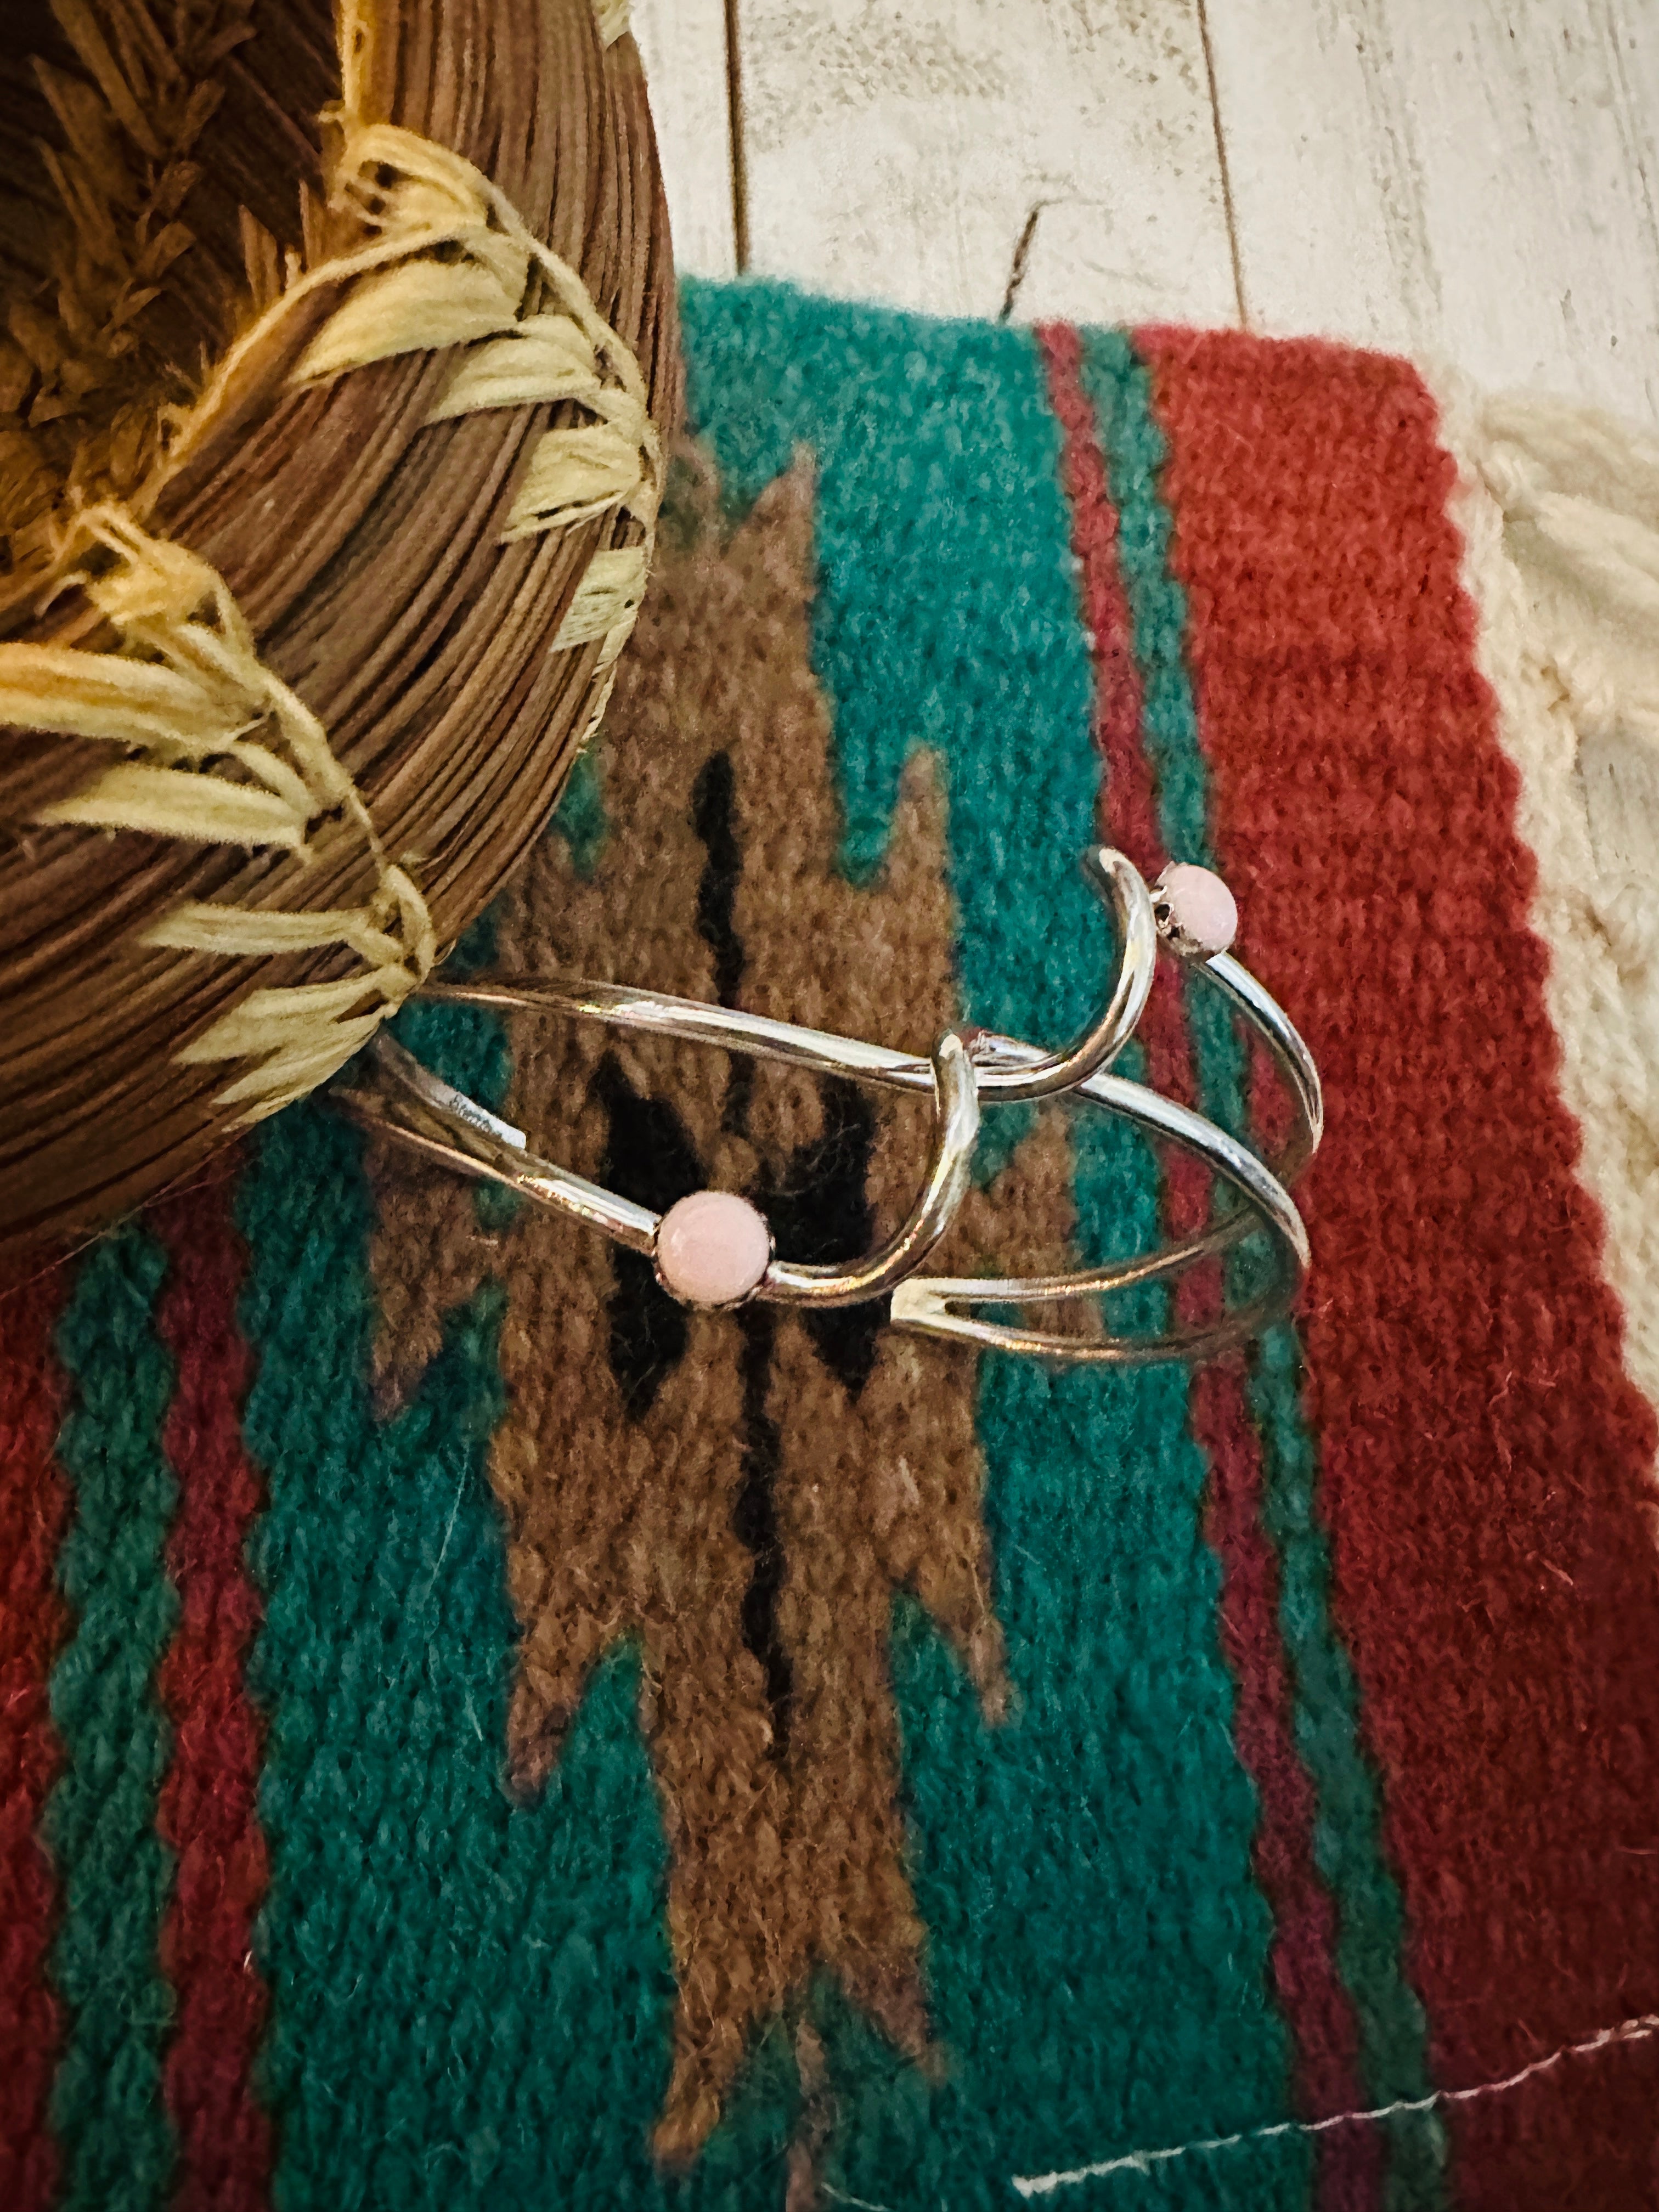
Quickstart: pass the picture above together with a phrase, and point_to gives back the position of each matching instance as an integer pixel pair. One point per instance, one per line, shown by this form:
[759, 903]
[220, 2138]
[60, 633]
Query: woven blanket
[474, 1733]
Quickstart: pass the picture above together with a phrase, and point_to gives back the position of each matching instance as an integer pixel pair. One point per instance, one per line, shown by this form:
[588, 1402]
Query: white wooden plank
[683, 45]
[897, 151]
[1475, 178]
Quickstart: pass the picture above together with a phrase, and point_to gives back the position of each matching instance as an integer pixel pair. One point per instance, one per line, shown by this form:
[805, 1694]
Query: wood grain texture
[1475, 178]
[898, 152]
[683, 45]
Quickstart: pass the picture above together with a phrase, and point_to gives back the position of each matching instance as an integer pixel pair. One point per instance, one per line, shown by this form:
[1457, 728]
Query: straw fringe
[231, 756]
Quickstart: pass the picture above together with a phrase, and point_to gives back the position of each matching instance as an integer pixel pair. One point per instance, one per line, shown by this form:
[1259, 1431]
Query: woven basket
[312, 593]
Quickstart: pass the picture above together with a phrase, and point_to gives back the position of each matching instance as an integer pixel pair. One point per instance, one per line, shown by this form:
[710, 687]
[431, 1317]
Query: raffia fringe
[1559, 511]
[215, 749]
[611, 17]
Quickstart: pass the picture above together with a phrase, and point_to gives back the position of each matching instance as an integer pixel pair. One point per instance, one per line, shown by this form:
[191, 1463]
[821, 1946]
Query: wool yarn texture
[474, 1732]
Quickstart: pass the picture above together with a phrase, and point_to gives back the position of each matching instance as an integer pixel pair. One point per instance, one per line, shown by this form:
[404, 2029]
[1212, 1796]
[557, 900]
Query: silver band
[448, 1127]
[962, 1073]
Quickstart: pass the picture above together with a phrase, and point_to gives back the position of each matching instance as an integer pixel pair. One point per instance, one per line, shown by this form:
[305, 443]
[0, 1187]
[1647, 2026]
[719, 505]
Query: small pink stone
[1201, 908]
[712, 1249]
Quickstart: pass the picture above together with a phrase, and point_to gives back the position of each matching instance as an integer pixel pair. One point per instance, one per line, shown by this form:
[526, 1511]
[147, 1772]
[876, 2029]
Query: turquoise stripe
[1119, 392]
[1097, 1950]
[1348, 1831]
[106, 2109]
[947, 613]
[1348, 1835]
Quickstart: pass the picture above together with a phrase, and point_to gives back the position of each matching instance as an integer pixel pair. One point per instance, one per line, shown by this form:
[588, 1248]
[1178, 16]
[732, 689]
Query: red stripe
[1485, 1461]
[208, 1812]
[34, 1508]
[1304, 1949]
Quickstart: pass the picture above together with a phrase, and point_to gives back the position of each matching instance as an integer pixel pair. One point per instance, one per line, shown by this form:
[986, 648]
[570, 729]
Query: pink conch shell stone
[712, 1249]
[1201, 908]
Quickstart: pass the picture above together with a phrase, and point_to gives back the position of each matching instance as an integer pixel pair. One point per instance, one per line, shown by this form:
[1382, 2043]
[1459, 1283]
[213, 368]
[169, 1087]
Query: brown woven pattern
[743, 1491]
[362, 545]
